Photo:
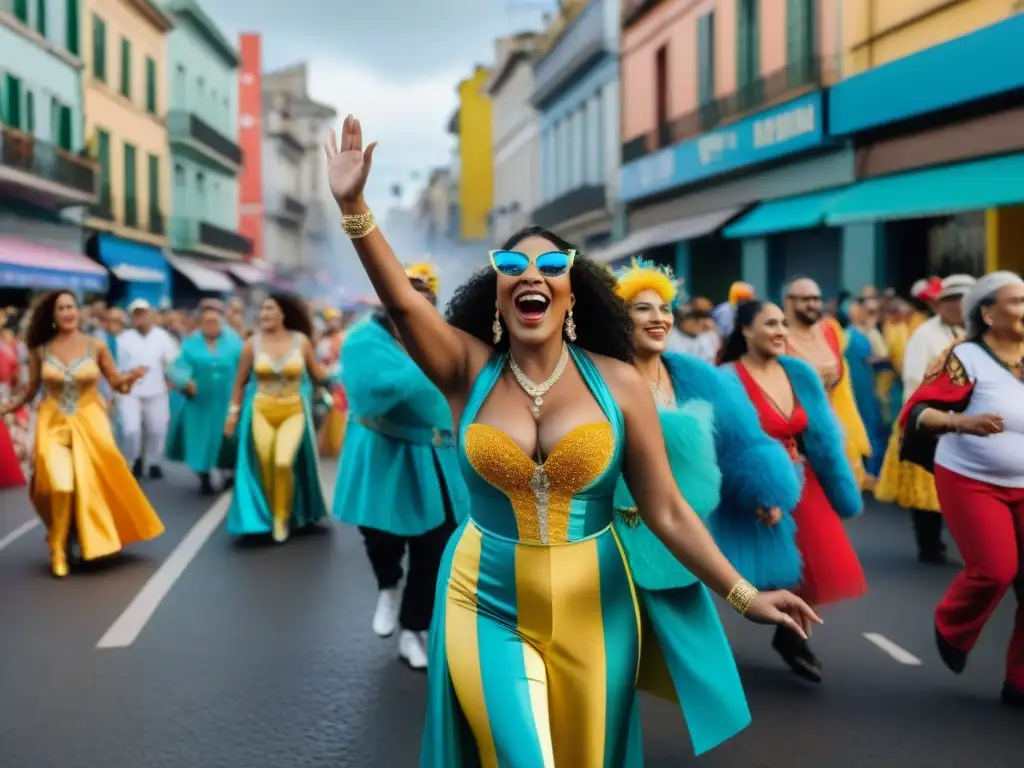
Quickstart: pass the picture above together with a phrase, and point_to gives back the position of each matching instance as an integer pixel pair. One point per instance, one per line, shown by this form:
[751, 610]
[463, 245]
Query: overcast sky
[393, 63]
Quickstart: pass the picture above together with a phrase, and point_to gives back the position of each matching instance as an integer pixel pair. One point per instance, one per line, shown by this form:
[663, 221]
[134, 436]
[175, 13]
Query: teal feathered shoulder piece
[690, 445]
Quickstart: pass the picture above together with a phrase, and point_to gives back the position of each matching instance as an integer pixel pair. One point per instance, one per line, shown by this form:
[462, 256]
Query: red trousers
[987, 524]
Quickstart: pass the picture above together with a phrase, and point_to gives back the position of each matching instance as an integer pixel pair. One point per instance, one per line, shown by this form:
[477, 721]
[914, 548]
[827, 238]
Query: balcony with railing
[586, 199]
[40, 172]
[583, 40]
[286, 209]
[777, 87]
[188, 128]
[202, 237]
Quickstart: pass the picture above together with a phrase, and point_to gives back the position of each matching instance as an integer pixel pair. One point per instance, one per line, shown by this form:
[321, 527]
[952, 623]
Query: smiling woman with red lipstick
[535, 643]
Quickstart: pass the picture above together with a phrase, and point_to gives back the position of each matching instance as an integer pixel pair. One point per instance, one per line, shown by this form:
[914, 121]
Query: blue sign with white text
[791, 127]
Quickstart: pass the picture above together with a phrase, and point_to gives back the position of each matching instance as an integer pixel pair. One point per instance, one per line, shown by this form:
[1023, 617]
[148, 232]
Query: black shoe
[156, 473]
[797, 654]
[1013, 697]
[205, 486]
[137, 469]
[952, 657]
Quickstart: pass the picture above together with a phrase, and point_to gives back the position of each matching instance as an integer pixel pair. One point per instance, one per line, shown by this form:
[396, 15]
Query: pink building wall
[674, 24]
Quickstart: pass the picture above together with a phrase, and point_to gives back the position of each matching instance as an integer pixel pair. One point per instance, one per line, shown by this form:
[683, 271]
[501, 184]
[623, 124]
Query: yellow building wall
[879, 31]
[1004, 230]
[124, 119]
[476, 176]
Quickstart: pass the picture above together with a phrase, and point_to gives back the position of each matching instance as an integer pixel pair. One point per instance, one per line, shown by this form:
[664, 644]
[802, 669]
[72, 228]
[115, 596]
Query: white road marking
[902, 655]
[129, 625]
[17, 533]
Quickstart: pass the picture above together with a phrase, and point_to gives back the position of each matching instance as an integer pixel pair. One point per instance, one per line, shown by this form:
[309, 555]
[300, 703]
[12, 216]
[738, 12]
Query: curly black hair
[41, 327]
[603, 325]
[295, 311]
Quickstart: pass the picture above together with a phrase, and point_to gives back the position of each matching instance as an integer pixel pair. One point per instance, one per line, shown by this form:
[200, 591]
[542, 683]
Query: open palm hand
[348, 164]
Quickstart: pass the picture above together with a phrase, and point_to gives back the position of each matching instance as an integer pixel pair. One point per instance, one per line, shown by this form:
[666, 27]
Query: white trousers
[151, 415]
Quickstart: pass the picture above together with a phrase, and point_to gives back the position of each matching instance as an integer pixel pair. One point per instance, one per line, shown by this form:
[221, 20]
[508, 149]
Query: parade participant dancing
[966, 423]
[399, 479]
[205, 373]
[821, 342]
[11, 474]
[718, 453]
[535, 645]
[867, 358]
[904, 482]
[328, 350]
[277, 476]
[81, 481]
[793, 407]
[146, 410]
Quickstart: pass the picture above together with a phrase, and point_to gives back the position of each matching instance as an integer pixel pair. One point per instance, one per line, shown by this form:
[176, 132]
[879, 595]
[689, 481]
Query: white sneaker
[385, 618]
[411, 650]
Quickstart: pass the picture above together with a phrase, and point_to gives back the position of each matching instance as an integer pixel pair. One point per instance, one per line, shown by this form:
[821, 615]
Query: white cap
[138, 305]
[956, 285]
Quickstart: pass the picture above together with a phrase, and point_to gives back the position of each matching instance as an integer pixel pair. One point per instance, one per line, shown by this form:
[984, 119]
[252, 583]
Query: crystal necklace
[538, 391]
[667, 400]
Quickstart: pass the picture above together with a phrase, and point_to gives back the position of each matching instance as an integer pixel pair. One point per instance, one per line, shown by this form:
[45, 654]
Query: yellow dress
[80, 477]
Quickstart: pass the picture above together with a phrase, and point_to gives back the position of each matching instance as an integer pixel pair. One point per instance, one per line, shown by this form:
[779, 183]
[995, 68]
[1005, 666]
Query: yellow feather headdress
[425, 272]
[644, 275]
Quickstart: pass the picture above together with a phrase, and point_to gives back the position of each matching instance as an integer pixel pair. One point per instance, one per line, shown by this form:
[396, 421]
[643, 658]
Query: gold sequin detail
[630, 516]
[281, 380]
[956, 371]
[577, 460]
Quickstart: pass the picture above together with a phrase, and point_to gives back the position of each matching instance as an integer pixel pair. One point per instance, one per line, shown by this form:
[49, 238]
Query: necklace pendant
[535, 408]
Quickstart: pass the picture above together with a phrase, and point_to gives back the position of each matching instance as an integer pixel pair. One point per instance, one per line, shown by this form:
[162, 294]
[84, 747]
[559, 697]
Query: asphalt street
[261, 656]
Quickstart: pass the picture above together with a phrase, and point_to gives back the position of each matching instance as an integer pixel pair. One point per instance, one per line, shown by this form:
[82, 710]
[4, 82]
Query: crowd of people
[565, 456]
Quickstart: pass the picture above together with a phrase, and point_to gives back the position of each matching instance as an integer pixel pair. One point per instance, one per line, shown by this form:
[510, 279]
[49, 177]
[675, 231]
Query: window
[126, 67]
[154, 187]
[748, 54]
[150, 86]
[661, 95]
[103, 159]
[21, 10]
[131, 203]
[65, 137]
[71, 33]
[99, 49]
[801, 46]
[41, 17]
[706, 58]
[12, 107]
[30, 112]
[180, 92]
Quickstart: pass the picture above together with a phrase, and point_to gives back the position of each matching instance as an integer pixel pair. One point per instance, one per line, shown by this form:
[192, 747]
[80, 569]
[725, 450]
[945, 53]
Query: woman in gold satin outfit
[277, 478]
[81, 481]
[535, 645]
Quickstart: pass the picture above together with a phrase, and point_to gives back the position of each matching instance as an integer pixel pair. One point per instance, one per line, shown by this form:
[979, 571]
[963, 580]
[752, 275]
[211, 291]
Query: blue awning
[141, 267]
[801, 212]
[977, 185]
[25, 264]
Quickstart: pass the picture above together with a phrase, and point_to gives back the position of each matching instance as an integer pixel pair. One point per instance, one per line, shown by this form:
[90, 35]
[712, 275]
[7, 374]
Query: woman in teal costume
[277, 475]
[714, 444]
[866, 355]
[204, 374]
[535, 644]
[399, 478]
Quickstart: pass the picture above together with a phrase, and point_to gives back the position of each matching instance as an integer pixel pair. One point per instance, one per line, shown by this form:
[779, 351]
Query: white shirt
[704, 346]
[929, 340]
[996, 459]
[157, 351]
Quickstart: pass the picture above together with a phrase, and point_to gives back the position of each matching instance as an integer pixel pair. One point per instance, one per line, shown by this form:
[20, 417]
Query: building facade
[124, 51]
[733, 114]
[298, 209]
[576, 93]
[516, 138]
[438, 209]
[472, 124]
[46, 179]
[202, 120]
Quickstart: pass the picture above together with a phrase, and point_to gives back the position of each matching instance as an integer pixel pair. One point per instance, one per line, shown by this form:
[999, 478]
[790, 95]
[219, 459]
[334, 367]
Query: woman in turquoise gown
[535, 644]
[866, 356]
[204, 374]
[277, 475]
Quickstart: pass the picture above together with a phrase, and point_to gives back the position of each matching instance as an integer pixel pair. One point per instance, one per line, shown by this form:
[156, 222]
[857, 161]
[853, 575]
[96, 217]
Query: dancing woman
[535, 644]
[81, 480]
[793, 407]
[721, 459]
[204, 374]
[277, 477]
[966, 423]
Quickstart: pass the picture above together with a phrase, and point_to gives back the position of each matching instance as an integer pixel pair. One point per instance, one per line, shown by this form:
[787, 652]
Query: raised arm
[441, 351]
[35, 364]
[674, 521]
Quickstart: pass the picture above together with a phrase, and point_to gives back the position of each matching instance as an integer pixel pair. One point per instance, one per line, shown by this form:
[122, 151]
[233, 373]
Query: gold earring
[570, 327]
[496, 326]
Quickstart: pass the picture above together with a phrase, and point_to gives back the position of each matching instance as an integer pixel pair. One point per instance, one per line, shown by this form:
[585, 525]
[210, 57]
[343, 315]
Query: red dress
[831, 569]
[10, 463]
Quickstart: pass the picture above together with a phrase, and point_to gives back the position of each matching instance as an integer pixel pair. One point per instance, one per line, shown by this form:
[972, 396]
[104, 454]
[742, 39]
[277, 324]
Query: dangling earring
[570, 327]
[496, 326]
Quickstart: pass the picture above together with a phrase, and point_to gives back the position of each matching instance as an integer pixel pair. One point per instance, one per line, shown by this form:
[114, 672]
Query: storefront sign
[784, 130]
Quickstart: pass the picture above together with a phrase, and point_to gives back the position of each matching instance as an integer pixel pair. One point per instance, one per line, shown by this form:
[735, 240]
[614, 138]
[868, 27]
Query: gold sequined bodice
[279, 377]
[546, 499]
[66, 384]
